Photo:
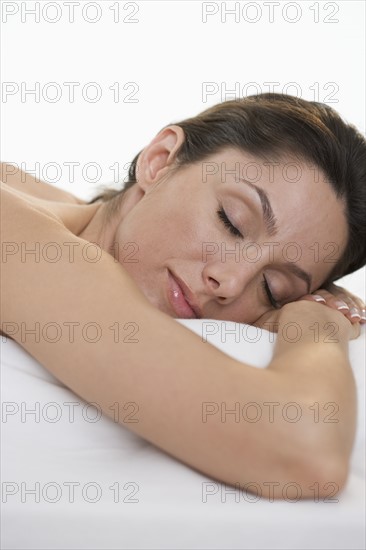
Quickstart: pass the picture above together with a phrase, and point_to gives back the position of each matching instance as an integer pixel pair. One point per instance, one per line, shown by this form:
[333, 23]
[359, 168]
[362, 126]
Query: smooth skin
[169, 371]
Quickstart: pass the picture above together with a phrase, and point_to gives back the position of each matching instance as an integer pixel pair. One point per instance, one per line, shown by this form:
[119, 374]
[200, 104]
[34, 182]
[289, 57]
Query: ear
[156, 159]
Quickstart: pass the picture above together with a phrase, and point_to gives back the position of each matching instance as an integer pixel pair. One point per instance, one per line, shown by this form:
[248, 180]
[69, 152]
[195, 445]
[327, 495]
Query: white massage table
[72, 479]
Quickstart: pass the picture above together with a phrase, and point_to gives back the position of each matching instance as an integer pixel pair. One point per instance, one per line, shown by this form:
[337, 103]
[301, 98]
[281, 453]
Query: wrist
[306, 322]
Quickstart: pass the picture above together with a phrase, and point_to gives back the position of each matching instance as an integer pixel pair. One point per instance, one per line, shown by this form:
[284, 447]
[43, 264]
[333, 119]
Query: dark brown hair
[276, 125]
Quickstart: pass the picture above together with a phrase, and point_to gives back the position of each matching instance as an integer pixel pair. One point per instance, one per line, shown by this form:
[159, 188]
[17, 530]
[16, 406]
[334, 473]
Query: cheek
[169, 225]
[145, 238]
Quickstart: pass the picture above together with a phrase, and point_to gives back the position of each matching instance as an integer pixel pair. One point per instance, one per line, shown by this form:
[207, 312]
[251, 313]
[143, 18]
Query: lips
[181, 298]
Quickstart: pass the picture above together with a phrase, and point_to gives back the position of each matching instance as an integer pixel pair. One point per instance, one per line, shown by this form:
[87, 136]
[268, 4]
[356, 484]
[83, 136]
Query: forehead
[304, 204]
[285, 169]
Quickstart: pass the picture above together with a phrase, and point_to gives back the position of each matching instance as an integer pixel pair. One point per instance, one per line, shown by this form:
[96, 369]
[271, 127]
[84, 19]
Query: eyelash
[234, 231]
[271, 301]
[227, 223]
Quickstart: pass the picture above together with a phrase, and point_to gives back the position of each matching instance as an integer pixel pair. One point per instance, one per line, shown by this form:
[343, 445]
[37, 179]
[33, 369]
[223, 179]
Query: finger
[357, 307]
[350, 306]
[344, 294]
[355, 313]
[326, 297]
[356, 331]
[313, 298]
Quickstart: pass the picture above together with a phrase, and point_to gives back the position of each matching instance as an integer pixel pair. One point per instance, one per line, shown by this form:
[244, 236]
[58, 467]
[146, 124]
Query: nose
[228, 280]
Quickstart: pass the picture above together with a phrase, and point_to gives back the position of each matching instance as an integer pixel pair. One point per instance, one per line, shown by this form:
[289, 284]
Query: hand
[307, 310]
[341, 299]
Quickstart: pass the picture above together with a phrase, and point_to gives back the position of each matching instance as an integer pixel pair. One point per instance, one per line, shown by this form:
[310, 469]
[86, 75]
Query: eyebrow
[268, 214]
[272, 229]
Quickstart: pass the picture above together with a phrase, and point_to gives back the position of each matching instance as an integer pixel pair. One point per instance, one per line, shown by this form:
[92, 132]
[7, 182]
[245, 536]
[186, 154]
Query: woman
[208, 225]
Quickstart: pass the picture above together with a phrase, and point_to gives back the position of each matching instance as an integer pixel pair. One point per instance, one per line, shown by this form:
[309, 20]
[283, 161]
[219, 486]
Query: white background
[169, 50]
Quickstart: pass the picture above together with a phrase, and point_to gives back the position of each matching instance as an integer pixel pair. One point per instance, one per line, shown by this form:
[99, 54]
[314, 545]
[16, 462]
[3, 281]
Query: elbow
[325, 477]
[291, 464]
[307, 469]
[312, 476]
[326, 460]
[320, 456]
[316, 480]
[323, 461]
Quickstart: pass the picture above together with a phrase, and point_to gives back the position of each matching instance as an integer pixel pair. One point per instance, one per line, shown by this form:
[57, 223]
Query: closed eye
[269, 296]
[227, 223]
[235, 231]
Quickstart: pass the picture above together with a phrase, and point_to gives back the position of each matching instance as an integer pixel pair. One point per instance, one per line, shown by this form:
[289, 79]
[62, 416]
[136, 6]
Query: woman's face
[169, 227]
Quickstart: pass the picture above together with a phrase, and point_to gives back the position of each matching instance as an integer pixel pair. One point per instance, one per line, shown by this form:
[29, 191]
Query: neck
[100, 230]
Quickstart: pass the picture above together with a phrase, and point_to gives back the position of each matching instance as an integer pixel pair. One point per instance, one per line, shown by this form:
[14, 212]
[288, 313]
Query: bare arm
[132, 352]
[25, 182]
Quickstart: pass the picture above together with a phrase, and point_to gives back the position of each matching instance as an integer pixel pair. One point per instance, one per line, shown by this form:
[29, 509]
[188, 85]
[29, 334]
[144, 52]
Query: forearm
[313, 356]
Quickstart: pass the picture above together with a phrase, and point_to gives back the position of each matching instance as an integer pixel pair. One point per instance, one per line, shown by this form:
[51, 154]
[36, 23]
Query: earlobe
[156, 159]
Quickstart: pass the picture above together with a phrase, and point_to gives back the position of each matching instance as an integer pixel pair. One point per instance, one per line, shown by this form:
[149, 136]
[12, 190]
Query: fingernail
[341, 305]
[363, 314]
[355, 312]
[319, 298]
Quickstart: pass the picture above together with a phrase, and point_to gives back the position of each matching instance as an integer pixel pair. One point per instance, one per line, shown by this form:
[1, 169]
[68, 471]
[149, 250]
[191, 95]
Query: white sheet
[170, 511]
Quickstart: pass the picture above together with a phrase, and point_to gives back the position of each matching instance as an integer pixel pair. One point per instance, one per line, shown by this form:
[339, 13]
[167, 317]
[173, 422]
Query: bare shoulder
[27, 183]
[39, 252]
[18, 208]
